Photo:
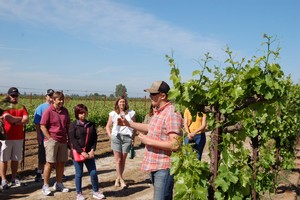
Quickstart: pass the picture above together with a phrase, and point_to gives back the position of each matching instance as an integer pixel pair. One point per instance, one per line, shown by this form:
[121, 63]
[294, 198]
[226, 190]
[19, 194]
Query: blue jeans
[91, 166]
[163, 184]
[199, 140]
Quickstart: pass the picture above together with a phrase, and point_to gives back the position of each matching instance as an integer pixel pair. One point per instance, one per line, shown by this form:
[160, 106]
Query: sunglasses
[82, 112]
[14, 95]
[153, 94]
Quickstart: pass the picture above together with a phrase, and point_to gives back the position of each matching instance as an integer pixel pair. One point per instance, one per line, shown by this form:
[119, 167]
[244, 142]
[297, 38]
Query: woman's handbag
[77, 156]
[132, 152]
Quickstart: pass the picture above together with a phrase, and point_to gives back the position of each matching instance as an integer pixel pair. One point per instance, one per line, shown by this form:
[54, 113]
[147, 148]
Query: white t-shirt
[124, 130]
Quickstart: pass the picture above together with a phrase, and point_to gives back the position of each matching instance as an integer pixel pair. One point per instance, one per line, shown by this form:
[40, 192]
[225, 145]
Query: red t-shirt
[15, 132]
[56, 123]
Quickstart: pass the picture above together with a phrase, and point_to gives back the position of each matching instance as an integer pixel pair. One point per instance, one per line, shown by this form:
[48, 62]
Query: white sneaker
[4, 185]
[46, 190]
[60, 187]
[79, 196]
[16, 182]
[98, 195]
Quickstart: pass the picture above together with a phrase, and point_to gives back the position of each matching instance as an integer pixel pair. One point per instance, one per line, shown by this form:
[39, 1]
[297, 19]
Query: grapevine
[247, 100]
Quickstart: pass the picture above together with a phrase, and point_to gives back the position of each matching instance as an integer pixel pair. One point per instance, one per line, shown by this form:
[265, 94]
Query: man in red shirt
[55, 126]
[12, 147]
[164, 130]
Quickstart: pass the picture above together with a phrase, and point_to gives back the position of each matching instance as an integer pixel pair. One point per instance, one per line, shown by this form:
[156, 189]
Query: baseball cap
[13, 91]
[49, 92]
[157, 87]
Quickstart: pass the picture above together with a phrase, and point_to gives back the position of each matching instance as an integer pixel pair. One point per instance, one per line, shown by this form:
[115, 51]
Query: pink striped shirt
[165, 121]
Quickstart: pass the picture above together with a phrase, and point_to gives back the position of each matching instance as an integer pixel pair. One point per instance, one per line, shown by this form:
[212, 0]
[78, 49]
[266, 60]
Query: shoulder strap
[87, 135]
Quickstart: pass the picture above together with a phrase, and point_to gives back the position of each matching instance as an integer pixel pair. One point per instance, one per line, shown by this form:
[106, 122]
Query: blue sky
[87, 46]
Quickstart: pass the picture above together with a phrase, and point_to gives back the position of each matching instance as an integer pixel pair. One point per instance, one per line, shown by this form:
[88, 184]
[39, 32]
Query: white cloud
[105, 21]
[106, 24]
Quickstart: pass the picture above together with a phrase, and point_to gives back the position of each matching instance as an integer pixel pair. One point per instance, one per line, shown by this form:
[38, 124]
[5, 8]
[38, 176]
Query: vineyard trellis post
[215, 138]
[255, 146]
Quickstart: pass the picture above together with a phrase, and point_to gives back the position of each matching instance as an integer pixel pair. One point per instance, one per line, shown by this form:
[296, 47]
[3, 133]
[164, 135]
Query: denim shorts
[121, 143]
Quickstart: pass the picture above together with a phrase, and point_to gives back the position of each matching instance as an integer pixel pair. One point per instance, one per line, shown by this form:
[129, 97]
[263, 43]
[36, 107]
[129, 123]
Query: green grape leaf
[220, 182]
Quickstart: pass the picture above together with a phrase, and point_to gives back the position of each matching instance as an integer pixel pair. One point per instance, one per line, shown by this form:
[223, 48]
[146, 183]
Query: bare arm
[25, 120]
[135, 125]
[16, 120]
[186, 126]
[139, 126]
[38, 132]
[108, 126]
[172, 145]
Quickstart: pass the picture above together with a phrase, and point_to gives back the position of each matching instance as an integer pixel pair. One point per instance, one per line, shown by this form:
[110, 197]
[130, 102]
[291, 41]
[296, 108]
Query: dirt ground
[139, 187]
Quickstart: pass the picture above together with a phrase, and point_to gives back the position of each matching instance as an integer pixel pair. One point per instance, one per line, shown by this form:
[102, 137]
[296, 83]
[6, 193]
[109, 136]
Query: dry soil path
[138, 182]
[139, 187]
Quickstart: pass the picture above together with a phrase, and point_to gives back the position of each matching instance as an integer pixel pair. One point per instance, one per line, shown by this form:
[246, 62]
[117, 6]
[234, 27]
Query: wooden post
[254, 142]
[215, 155]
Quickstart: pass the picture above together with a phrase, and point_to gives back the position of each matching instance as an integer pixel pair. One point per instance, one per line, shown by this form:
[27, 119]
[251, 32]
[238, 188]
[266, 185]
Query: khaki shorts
[55, 151]
[11, 150]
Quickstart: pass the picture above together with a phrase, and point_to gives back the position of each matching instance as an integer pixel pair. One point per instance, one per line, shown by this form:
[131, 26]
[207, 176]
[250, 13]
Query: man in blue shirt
[39, 134]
